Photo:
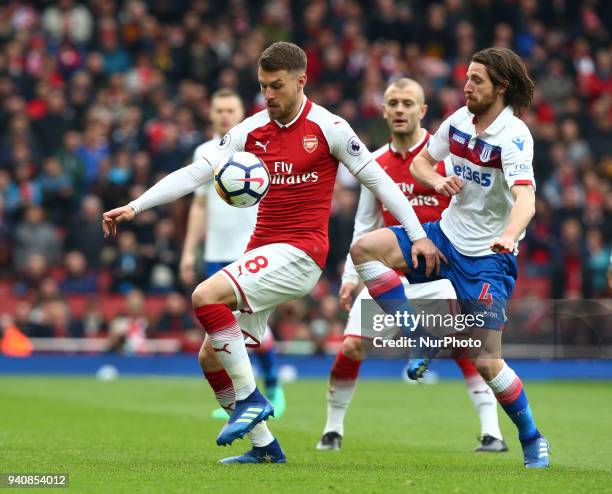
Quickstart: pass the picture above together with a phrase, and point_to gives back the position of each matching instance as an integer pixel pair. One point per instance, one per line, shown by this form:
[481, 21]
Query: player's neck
[402, 143]
[482, 122]
[295, 112]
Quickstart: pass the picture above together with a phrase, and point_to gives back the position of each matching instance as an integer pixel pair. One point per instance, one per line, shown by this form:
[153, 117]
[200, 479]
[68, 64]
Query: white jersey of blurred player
[228, 229]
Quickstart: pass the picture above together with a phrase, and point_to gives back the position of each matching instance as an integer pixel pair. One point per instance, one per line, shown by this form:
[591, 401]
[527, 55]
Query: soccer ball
[243, 180]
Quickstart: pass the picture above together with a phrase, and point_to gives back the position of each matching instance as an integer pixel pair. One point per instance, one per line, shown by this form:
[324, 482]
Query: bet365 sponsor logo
[469, 175]
[283, 174]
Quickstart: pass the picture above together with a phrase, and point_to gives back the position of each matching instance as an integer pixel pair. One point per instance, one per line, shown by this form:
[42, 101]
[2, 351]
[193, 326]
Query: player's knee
[353, 348]
[488, 367]
[203, 296]
[363, 250]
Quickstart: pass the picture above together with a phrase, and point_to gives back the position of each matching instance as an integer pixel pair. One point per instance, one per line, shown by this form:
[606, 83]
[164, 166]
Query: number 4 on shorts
[485, 297]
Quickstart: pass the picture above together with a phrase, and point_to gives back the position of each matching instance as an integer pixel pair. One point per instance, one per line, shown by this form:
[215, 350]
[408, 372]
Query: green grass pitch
[153, 435]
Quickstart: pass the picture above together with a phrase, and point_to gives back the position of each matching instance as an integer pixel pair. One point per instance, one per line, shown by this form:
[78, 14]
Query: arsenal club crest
[310, 143]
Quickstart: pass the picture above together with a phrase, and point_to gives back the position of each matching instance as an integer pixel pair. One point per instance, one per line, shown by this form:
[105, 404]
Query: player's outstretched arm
[520, 216]
[423, 170]
[179, 183]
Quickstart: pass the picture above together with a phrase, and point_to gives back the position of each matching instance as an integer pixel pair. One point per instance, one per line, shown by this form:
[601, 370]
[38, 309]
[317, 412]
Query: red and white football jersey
[302, 158]
[427, 203]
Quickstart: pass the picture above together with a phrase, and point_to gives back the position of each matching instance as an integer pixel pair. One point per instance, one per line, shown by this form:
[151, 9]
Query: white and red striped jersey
[427, 203]
[489, 163]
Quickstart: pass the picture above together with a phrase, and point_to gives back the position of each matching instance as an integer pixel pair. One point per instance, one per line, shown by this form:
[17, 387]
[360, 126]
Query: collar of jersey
[412, 150]
[500, 122]
[296, 118]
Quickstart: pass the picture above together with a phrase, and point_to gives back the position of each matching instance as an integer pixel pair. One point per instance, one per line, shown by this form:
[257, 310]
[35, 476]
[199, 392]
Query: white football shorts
[265, 277]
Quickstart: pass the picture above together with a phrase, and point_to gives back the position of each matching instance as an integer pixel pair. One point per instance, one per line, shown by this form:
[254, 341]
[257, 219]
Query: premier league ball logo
[353, 146]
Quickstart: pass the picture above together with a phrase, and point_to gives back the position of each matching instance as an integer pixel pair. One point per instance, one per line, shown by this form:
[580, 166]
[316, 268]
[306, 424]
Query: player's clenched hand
[448, 186]
[503, 245]
[186, 269]
[433, 257]
[346, 295]
[114, 216]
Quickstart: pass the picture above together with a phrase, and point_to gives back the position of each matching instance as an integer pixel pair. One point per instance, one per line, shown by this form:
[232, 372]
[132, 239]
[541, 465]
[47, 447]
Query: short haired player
[301, 144]
[227, 231]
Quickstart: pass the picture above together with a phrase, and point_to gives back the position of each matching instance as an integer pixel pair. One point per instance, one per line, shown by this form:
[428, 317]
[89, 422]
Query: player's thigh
[435, 234]
[380, 245]
[214, 290]
[484, 287]
[271, 274]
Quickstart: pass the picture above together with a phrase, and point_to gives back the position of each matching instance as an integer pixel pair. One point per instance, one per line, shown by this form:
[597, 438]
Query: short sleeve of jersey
[517, 159]
[438, 145]
[347, 148]
[449, 167]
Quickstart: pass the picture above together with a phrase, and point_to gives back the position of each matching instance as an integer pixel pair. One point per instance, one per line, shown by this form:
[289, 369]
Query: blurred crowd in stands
[100, 98]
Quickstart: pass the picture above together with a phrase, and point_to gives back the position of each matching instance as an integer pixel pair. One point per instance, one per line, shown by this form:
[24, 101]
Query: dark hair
[505, 68]
[283, 56]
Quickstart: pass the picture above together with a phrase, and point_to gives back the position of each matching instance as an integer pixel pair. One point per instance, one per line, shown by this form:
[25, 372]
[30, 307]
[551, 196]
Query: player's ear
[301, 80]
[502, 88]
[423, 111]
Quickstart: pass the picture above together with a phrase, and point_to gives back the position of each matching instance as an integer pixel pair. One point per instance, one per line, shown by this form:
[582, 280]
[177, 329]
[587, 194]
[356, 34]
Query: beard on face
[480, 107]
[282, 112]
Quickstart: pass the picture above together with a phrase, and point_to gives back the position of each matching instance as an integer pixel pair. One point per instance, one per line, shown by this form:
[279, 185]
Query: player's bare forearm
[520, 216]
[424, 171]
[522, 211]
